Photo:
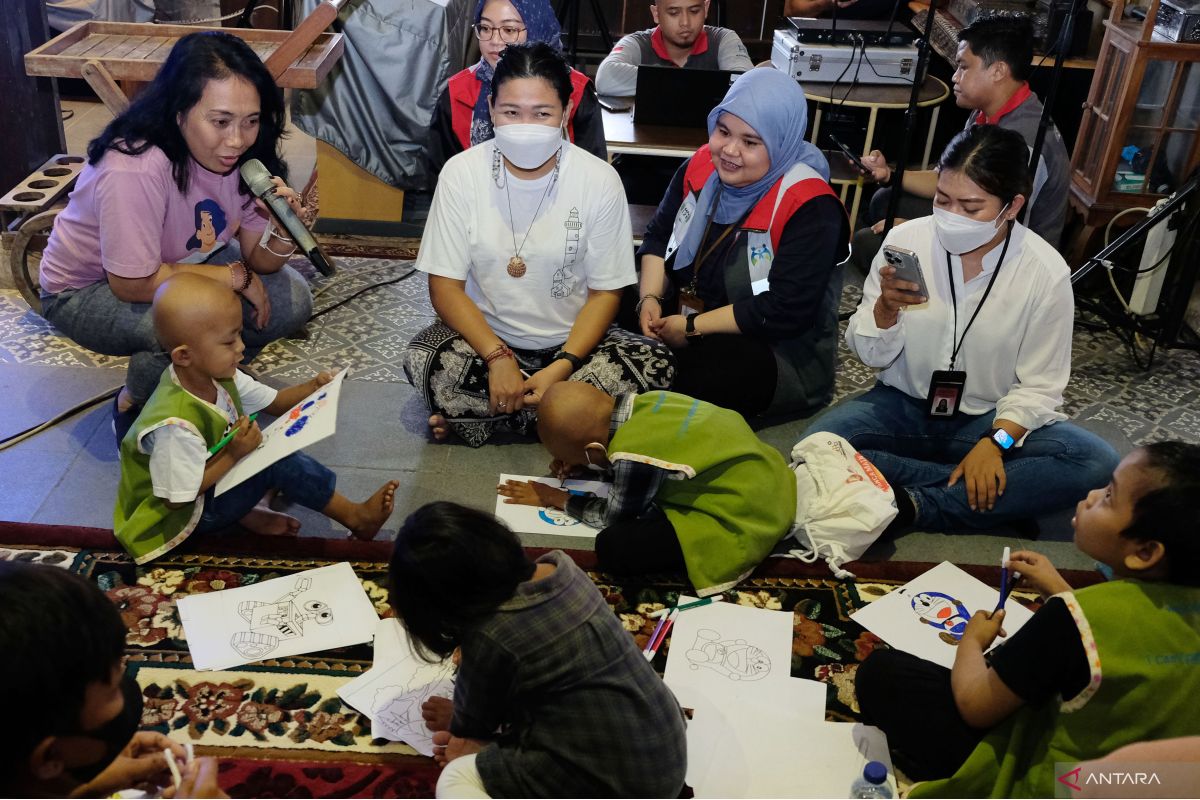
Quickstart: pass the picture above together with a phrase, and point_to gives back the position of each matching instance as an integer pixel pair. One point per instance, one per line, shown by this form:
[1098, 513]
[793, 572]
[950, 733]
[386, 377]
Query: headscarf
[774, 106]
[541, 25]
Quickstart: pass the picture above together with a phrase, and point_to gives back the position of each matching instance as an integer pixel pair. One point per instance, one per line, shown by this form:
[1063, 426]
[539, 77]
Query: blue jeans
[1054, 469]
[95, 318]
[301, 477]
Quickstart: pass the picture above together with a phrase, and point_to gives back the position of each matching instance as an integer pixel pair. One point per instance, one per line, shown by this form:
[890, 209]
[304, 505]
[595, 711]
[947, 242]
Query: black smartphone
[613, 105]
[855, 160]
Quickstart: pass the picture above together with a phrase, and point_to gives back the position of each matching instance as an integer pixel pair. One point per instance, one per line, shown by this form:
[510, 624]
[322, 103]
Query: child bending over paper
[552, 698]
[693, 486]
[168, 469]
[1092, 671]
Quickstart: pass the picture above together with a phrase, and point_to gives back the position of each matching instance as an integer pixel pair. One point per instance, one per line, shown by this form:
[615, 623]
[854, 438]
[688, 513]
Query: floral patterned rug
[279, 726]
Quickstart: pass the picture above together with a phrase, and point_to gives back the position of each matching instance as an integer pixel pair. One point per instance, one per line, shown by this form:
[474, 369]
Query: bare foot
[439, 427]
[437, 711]
[365, 519]
[270, 523]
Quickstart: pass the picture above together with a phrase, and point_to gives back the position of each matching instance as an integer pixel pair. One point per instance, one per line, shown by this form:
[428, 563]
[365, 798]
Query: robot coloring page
[927, 616]
[306, 612]
[727, 650]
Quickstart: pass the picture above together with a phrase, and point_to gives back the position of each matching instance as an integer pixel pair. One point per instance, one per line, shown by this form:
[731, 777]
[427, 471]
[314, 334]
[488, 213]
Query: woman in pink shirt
[161, 194]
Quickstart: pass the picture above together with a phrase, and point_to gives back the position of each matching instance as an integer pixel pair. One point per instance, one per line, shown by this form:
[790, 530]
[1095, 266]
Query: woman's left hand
[983, 474]
[256, 295]
[537, 383]
[672, 330]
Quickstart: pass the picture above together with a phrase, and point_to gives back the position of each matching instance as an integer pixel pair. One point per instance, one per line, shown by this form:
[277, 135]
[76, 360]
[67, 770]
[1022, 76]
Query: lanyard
[701, 257]
[982, 300]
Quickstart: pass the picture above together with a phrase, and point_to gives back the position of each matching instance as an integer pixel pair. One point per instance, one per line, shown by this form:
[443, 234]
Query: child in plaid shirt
[553, 698]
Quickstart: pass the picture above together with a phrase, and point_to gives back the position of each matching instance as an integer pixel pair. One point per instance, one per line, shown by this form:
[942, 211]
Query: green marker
[227, 438]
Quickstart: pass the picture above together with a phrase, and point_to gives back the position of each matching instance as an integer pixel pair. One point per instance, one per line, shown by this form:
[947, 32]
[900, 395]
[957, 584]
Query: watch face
[1003, 438]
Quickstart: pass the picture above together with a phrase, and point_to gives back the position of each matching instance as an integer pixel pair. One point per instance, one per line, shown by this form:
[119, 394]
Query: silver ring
[502, 405]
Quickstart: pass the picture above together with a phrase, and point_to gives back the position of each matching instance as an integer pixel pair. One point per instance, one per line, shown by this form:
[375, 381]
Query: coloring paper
[767, 751]
[727, 660]
[307, 612]
[392, 691]
[539, 519]
[308, 422]
[927, 616]
[727, 650]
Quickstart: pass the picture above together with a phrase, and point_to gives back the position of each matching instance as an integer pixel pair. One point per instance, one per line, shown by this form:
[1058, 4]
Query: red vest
[464, 92]
[764, 217]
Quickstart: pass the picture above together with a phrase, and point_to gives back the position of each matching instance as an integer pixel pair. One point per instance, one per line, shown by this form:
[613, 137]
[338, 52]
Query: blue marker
[1005, 582]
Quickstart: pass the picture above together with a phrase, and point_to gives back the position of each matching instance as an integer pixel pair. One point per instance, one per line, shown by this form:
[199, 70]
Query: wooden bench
[105, 53]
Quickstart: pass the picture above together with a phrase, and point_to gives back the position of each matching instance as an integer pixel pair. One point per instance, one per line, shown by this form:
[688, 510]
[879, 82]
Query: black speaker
[1056, 16]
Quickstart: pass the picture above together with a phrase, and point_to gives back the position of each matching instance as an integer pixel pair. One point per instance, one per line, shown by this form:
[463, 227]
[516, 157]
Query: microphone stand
[568, 13]
[1066, 35]
[910, 119]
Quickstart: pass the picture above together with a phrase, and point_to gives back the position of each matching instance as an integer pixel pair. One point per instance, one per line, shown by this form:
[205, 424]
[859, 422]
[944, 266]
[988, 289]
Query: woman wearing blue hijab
[739, 265]
[461, 118]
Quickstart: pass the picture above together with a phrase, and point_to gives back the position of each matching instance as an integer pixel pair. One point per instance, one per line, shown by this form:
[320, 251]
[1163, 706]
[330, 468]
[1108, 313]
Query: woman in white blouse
[965, 421]
[528, 248]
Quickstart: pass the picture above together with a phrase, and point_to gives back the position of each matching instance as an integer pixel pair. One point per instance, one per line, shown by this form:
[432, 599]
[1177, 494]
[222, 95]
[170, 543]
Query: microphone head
[257, 177]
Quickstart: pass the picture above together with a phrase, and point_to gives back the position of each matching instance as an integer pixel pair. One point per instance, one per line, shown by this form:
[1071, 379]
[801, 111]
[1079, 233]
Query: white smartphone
[908, 267]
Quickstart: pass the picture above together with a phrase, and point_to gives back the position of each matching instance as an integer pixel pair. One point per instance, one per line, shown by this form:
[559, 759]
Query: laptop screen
[679, 97]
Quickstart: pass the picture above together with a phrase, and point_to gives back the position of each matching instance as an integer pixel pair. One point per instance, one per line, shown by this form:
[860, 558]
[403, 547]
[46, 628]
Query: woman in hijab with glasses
[461, 118]
[739, 267]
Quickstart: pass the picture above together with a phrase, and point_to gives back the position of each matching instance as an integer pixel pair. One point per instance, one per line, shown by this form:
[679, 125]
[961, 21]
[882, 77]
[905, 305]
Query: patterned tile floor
[369, 334]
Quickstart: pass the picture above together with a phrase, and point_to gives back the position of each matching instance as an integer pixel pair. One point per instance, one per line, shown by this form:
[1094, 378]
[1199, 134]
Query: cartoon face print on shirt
[210, 223]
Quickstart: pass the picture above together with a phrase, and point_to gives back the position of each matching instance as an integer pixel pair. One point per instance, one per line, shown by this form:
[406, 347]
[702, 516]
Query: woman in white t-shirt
[527, 247]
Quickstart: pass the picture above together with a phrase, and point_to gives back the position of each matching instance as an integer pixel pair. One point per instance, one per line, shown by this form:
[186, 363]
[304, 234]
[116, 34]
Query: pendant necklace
[516, 264]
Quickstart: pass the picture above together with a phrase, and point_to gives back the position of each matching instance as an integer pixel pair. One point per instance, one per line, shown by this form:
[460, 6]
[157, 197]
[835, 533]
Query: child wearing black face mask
[79, 712]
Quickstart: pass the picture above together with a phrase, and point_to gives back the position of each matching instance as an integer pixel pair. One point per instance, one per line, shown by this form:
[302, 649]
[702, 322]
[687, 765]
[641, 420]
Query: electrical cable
[21, 436]
[877, 75]
[361, 292]
[30, 432]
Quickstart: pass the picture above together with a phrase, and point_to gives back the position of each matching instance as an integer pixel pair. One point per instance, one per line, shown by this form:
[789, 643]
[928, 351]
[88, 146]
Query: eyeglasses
[508, 34]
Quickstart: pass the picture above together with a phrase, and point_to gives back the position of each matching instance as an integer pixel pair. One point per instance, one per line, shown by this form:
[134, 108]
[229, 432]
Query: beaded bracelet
[502, 351]
[247, 276]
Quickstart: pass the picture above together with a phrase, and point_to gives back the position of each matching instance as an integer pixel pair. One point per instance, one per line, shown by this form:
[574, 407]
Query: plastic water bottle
[873, 782]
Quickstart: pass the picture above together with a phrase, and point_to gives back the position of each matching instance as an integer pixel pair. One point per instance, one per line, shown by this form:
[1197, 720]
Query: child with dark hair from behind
[552, 698]
[74, 713]
[1092, 671]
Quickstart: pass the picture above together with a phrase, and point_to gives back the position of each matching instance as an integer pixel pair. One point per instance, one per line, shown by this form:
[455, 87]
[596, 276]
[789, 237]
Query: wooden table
[130, 52]
[874, 98]
[621, 135]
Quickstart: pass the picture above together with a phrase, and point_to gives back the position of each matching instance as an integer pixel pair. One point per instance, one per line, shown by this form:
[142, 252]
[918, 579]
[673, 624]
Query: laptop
[678, 97]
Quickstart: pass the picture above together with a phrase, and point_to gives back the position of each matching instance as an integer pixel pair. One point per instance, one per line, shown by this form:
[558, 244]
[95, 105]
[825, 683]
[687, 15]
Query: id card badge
[689, 302]
[945, 393]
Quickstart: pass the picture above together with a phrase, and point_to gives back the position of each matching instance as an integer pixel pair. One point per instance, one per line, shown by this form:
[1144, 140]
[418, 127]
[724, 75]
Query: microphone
[258, 178]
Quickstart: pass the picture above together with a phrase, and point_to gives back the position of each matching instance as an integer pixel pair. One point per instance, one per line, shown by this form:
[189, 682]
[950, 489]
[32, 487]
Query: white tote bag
[843, 503]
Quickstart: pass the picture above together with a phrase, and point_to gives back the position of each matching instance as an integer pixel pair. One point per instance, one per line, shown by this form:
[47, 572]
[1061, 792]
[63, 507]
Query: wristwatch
[1001, 438]
[689, 330]
[575, 361]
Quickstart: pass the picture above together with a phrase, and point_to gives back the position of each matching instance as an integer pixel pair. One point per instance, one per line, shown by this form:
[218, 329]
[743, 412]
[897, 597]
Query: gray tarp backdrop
[376, 104]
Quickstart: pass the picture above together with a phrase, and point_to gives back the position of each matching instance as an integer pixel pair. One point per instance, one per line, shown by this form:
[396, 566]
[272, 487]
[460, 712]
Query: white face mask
[959, 234]
[528, 146]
